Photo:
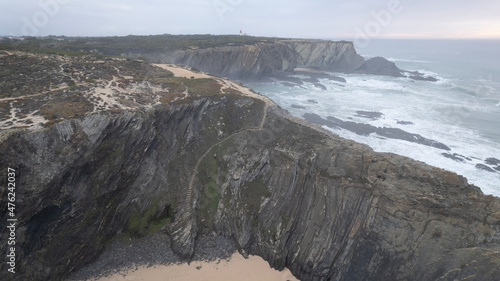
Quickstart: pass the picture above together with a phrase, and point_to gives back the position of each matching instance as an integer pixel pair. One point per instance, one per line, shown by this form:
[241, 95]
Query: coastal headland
[109, 149]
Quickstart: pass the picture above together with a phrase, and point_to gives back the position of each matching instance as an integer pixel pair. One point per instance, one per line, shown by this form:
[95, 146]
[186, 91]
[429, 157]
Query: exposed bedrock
[325, 207]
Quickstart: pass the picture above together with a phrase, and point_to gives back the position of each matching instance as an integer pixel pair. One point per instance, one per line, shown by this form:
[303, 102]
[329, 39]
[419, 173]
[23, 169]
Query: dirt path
[39, 94]
[24, 97]
[245, 91]
[189, 192]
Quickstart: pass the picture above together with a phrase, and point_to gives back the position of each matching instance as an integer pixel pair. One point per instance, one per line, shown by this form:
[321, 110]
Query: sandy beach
[235, 268]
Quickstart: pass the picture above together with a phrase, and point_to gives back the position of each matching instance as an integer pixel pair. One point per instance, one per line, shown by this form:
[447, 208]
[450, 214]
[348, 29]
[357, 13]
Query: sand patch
[237, 268]
[179, 71]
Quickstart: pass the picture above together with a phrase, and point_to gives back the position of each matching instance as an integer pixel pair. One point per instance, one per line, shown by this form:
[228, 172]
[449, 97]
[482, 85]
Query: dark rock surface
[456, 157]
[320, 86]
[85, 181]
[323, 206]
[423, 78]
[379, 66]
[492, 161]
[298, 106]
[154, 249]
[400, 122]
[485, 168]
[369, 114]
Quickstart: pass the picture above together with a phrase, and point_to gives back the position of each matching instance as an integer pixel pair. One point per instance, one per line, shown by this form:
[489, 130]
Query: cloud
[292, 18]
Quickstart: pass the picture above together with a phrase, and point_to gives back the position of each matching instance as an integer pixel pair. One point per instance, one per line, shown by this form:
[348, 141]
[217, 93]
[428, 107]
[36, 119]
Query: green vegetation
[65, 107]
[164, 74]
[203, 87]
[137, 223]
[142, 223]
[210, 192]
[36, 45]
[4, 110]
[70, 83]
[77, 46]
[232, 91]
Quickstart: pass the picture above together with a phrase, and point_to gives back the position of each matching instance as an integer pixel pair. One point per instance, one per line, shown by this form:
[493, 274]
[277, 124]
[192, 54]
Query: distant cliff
[267, 59]
[235, 57]
[211, 156]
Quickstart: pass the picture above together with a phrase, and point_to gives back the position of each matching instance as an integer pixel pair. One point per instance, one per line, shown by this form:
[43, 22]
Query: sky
[320, 19]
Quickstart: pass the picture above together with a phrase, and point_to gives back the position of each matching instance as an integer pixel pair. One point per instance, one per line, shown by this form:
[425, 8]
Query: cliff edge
[149, 149]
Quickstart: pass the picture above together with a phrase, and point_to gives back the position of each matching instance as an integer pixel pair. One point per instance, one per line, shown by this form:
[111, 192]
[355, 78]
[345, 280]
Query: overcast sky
[282, 18]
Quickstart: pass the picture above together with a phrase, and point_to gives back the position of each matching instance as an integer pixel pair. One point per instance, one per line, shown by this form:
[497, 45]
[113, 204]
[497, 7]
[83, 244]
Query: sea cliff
[200, 154]
[264, 60]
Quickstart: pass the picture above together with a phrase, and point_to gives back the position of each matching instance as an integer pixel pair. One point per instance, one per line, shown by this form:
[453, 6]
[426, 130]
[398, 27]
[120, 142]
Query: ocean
[461, 110]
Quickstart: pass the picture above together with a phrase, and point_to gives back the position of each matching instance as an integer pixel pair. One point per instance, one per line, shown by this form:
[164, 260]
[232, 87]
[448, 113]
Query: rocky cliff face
[325, 55]
[325, 207]
[267, 59]
[238, 62]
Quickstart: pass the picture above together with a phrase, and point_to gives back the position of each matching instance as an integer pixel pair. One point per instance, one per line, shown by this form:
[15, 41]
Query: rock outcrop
[380, 66]
[325, 207]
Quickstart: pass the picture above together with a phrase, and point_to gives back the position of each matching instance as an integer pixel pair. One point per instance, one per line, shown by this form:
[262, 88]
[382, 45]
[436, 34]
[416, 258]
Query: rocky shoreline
[124, 254]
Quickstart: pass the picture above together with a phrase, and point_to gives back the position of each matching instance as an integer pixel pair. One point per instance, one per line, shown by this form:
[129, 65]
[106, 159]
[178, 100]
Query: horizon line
[346, 37]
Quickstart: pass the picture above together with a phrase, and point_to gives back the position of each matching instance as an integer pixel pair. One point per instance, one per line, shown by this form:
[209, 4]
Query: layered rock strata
[325, 207]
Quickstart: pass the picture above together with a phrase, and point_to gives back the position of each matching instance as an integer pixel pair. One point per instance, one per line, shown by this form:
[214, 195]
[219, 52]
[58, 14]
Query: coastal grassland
[59, 108]
[76, 46]
[41, 45]
[4, 110]
[43, 89]
[203, 87]
[140, 223]
[184, 89]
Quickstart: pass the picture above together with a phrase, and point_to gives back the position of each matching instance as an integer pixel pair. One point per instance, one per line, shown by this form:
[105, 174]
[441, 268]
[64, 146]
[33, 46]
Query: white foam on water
[408, 60]
[372, 81]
